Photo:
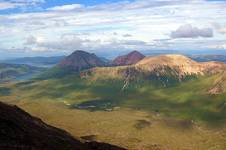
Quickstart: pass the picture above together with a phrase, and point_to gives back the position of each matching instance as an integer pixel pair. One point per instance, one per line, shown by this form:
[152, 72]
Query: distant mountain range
[205, 58]
[136, 64]
[35, 61]
[164, 70]
[52, 61]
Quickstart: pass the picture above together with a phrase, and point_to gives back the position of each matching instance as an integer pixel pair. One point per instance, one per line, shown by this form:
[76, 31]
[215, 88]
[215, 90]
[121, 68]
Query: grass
[129, 128]
[187, 100]
[148, 115]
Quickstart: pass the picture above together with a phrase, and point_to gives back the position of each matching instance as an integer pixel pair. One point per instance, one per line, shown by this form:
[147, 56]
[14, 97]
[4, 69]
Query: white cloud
[6, 5]
[223, 46]
[127, 35]
[31, 40]
[221, 29]
[10, 4]
[66, 7]
[121, 25]
[188, 31]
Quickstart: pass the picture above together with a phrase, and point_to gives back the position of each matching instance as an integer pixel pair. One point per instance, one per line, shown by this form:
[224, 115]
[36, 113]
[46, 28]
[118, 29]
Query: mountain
[165, 84]
[171, 85]
[72, 64]
[80, 60]
[10, 72]
[162, 70]
[165, 68]
[35, 61]
[19, 130]
[128, 59]
[181, 64]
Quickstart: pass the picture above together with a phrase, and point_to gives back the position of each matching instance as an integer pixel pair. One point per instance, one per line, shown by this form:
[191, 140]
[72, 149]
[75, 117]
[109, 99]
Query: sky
[57, 27]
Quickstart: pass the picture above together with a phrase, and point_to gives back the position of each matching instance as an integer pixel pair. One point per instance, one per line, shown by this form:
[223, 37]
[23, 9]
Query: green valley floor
[142, 116]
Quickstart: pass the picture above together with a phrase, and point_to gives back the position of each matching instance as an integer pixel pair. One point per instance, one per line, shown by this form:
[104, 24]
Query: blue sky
[52, 3]
[55, 27]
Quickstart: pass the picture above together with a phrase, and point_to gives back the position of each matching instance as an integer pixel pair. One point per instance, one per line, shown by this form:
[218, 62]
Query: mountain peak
[134, 52]
[80, 52]
[80, 60]
[181, 63]
[129, 59]
[167, 60]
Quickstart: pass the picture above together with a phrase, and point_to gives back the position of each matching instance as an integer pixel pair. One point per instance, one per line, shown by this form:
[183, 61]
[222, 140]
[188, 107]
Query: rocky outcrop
[21, 131]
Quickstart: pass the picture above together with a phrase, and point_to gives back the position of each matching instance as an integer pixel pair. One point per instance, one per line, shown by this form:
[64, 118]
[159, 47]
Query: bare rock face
[128, 59]
[21, 131]
[80, 60]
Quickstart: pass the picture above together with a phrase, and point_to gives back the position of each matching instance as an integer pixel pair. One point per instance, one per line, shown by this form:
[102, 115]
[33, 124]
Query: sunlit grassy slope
[132, 129]
[187, 100]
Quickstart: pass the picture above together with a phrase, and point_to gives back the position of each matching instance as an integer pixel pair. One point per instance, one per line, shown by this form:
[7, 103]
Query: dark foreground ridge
[21, 131]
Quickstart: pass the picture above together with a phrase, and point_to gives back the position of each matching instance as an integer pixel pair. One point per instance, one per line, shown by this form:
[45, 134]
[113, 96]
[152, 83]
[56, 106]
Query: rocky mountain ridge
[178, 66]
